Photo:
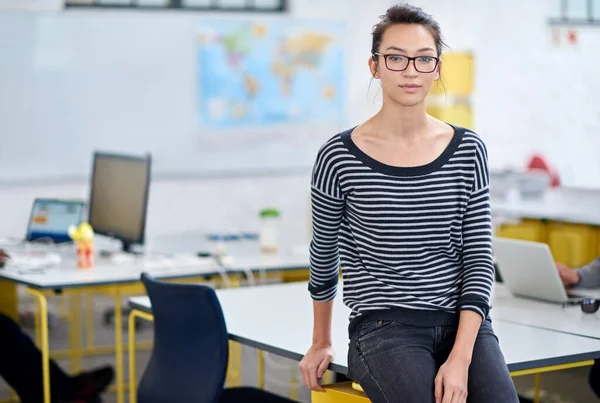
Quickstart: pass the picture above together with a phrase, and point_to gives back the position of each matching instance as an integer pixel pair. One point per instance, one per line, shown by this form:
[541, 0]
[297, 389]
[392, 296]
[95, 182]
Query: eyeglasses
[588, 305]
[423, 64]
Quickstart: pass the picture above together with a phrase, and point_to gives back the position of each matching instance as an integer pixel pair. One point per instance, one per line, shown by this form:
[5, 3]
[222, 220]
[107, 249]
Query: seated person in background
[21, 368]
[587, 276]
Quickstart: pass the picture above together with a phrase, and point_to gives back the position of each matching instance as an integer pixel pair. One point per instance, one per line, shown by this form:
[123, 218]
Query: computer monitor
[119, 197]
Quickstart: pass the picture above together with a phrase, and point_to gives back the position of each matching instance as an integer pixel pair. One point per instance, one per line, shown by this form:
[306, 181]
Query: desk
[109, 277]
[544, 315]
[559, 204]
[568, 220]
[242, 256]
[106, 277]
[254, 318]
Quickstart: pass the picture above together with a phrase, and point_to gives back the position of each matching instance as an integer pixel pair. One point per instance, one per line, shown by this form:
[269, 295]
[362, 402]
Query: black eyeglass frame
[413, 59]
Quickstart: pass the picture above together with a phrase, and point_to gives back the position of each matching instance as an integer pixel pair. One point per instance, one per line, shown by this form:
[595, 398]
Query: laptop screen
[50, 219]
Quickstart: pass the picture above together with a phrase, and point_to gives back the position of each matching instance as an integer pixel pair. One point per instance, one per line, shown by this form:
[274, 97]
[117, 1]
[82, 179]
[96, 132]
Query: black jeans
[397, 363]
[21, 365]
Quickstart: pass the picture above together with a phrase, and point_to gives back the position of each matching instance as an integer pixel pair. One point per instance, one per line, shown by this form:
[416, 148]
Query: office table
[254, 317]
[111, 275]
[106, 277]
[558, 204]
[545, 315]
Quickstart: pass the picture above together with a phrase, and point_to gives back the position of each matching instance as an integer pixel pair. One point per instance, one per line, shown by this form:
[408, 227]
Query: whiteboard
[121, 81]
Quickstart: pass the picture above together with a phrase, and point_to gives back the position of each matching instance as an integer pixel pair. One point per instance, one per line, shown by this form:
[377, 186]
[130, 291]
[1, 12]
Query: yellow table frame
[76, 352]
[74, 315]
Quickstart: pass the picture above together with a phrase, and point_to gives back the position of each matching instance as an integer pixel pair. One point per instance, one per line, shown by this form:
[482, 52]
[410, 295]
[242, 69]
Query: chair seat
[251, 395]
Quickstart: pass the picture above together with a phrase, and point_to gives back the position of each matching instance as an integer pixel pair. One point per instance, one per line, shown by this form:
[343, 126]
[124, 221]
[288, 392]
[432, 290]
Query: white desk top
[242, 255]
[67, 275]
[278, 319]
[570, 205]
[128, 268]
[285, 260]
[544, 315]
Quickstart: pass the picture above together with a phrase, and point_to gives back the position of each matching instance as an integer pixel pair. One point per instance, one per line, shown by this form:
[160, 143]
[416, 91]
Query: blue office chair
[190, 354]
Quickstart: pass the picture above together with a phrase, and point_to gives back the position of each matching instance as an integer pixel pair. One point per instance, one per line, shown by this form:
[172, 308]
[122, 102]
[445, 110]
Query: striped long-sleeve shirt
[414, 243]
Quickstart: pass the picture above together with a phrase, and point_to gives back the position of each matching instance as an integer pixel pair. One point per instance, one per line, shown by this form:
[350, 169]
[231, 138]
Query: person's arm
[589, 275]
[478, 263]
[478, 276]
[327, 204]
[327, 212]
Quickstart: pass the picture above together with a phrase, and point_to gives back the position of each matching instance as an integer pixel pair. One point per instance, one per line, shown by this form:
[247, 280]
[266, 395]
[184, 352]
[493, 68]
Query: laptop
[528, 270]
[50, 219]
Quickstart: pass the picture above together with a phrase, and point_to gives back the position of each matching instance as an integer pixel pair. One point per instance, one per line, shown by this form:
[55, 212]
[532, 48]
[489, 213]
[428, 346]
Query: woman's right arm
[327, 204]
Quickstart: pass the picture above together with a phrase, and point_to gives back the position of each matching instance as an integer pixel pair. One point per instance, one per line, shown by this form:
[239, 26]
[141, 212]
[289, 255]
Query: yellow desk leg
[9, 300]
[119, 345]
[75, 329]
[89, 322]
[294, 387]
[43, 304]
[537, 387]
[261, 370]
[63, 311]
[38, 326]
[234, 369]
[131, 326]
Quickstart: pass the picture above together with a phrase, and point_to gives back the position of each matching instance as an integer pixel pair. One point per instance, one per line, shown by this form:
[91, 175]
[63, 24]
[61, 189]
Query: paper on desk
[33, 260]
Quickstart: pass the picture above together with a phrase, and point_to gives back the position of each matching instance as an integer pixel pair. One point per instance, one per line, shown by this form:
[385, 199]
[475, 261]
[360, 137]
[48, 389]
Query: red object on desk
[537, 162]
[85, 254]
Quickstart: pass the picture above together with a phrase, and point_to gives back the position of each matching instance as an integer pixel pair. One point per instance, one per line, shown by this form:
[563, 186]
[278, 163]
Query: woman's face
[406, 81]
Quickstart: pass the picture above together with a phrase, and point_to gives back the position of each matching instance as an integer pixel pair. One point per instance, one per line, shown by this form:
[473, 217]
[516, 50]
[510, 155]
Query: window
[208, 5]
[596, 10]
[575, 12]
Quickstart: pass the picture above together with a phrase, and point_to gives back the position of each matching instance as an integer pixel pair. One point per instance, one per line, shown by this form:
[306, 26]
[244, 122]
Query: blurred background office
[232, 98]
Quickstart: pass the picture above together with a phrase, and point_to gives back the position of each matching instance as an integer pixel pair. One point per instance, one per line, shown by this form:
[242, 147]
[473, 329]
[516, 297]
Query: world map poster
[261, 74]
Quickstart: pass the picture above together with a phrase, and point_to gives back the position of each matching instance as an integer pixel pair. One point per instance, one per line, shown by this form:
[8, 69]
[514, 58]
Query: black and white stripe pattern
[410, 237]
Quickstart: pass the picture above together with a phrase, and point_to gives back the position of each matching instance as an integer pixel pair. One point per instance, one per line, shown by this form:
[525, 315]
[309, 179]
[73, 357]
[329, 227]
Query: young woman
[402, 202]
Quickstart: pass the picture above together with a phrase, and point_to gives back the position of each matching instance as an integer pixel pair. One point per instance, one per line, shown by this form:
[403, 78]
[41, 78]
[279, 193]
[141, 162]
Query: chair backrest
[189, 358]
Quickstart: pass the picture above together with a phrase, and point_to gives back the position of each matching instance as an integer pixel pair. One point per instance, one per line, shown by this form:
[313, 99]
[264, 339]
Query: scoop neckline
[393, 170]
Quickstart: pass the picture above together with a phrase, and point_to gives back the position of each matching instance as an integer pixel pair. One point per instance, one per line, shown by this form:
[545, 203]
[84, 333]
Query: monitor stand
[128, 247]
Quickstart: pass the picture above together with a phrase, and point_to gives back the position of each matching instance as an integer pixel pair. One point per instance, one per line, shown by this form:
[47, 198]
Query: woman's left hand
[451, 381]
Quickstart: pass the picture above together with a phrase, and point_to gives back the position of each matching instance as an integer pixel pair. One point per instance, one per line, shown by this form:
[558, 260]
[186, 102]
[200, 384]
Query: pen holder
[85, 254]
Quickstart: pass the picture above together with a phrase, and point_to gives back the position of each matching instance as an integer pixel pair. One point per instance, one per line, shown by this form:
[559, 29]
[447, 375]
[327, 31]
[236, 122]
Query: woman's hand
[314, 364]
[451, 381]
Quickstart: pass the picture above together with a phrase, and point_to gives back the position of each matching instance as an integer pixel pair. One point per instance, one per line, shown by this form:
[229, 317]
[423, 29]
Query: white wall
[187, 205]
[233, 203]
[530, 96]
